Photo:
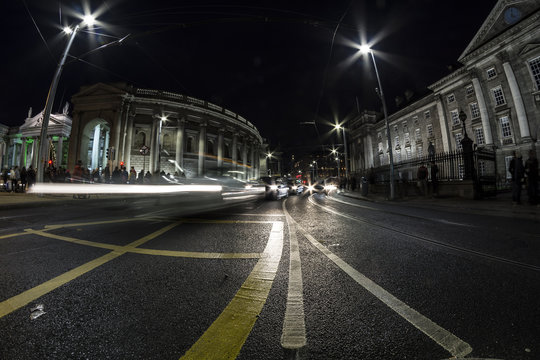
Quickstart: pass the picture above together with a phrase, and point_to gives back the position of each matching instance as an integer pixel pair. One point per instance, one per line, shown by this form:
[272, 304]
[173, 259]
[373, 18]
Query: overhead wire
[39, 31]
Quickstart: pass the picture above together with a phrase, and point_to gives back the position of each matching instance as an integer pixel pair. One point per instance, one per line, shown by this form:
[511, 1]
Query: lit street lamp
[43, 150]
[337, 127]
[365, 49]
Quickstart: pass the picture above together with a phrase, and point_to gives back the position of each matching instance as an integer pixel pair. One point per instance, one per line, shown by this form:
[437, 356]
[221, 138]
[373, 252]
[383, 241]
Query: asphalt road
[309, 277]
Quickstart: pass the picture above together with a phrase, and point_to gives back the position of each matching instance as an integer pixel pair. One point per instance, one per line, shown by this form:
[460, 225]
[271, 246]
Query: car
[321, 187]
[295, 188]
[275, 188]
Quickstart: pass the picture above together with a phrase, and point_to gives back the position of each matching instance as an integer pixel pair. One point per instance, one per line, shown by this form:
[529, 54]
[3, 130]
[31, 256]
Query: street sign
[144, 150]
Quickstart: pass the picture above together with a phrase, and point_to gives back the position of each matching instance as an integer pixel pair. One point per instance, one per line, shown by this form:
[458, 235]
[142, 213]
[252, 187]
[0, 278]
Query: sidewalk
[500, 205]
[18, 200]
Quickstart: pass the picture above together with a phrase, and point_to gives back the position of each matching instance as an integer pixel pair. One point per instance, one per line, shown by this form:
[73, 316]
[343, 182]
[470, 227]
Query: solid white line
[451, 343]
[294, 328]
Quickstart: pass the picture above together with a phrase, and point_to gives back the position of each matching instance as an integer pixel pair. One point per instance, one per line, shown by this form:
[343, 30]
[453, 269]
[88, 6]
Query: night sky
[273, 62]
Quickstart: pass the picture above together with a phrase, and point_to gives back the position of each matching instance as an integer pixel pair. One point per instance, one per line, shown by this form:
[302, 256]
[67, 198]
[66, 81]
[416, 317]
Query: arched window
[210, 147]
[140, 139]
[189, 144]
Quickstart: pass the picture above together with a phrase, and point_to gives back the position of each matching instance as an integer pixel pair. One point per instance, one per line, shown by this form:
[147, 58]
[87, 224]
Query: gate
[486, 172]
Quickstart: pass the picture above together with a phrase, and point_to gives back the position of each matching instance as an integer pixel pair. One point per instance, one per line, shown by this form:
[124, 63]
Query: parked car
[275, 188]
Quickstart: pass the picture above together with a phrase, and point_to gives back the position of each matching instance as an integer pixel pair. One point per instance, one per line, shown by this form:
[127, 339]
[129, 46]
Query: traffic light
[121, 163]
[107, 155]
[50, 162]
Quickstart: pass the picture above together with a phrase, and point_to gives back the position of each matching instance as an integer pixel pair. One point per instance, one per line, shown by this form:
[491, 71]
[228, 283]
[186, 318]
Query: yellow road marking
[12, 235]
[18, 301]
[58, 226]
[228, 333]
[73, 240]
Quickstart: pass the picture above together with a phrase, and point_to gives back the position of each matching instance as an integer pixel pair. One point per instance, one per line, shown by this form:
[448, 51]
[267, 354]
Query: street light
[366, 49]
[44, 143]
[337, 127]
[269, 163]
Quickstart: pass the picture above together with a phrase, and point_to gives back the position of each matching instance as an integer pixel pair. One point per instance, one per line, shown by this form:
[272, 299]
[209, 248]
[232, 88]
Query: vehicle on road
[275, 187]
[295, 188]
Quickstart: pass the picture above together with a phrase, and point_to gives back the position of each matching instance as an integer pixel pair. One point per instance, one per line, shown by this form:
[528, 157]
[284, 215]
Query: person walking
[24, 179]
[132, 176]
[31, 176]
[422, 176]
[531, 171]
[517, 171]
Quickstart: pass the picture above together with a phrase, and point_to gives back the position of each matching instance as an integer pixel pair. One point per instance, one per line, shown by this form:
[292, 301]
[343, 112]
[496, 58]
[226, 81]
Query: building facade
[116, 124]
[497, 88]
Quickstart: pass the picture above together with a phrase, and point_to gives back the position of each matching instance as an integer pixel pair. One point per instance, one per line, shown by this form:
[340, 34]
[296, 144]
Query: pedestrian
[531, 171]
[124, 176]
[5, 177]
[77, 172]
[422, 176]
[517, 171]
[31, 175]
[24, 179]
[107, 175]
[434, 179]
[116, 177]
[148, 177]
[140, 178]
[132, 175]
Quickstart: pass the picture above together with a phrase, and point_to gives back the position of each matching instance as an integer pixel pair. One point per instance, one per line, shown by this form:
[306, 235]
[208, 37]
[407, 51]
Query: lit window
[455, 117]
[505, 127]
[475, 111]
[417, 135]
[534, 64]
[498, 96]
[458, 141]
[427, 115]
[450, 98]
[430, 130]
[479, 135]
[469, 90]
[491, 73]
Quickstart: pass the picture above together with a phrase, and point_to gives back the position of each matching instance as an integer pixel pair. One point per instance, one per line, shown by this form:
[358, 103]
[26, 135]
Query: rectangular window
[507, 160]
[458, 137]
[491, 73]
[505, 127]
[534, 64]
[482, 167]
[405, 128]
[498, 96]
[398, 156]
[427, 115]
[408, 153]
[407, 138]
[419, 151]
[455, 117]
[479, 135]
[430, 130]
[417, 135]
[450, 98]
[475, 111]
[395, 128]
[469, 90]
[396, 141]
[415, 120]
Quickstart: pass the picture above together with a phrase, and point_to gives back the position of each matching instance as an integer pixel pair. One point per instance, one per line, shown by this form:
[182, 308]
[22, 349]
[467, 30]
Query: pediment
[529, 47]
[504, 15]
[100, 89]
[54, 120]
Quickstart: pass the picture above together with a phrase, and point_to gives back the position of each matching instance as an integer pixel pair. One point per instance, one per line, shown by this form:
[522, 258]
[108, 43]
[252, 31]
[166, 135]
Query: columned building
[498, 88]
[161, 131]
[19, 146]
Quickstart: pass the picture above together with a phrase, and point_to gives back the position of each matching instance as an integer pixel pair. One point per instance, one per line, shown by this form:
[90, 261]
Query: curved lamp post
[43, 150]
[366, 49]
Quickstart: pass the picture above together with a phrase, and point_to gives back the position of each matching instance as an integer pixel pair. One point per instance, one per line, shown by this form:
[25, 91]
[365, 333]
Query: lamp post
[269, 163]
[365, 49]
[337, 127]
[43, 150]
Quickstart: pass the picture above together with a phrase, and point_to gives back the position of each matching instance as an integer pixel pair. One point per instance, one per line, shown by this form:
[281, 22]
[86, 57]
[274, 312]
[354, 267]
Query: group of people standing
[524, 173]
[18, 180]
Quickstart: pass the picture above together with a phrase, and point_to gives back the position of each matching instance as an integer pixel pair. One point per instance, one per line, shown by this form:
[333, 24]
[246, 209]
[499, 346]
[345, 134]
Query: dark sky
[273, 62]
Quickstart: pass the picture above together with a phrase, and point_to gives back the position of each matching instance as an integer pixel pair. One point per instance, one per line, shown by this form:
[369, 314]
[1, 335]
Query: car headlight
[310, 188]
[273, 187]
[294, 187]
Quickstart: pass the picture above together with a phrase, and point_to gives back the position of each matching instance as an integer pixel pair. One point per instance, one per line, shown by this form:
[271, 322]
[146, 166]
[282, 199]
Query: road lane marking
[228, 333]
[102, 222]
[434, 242]
[293, 336]
[73, 240]
[24, 298]
[7, 236]
[196, 254]
[451, 343]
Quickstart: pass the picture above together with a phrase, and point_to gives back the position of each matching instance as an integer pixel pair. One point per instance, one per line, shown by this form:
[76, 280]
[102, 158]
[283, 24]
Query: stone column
[129, 142]
[2, 152]
[244, 158]
[251, 160]
[234, 152]
[518, 102]
[202, 150]
[220, 150]
[60, 149]
[153, 146]
[180, 136]
[371, 157]
[105, 147]
[23, 154]
[443, 123]
[117, 133]
[486, 127]
[95, 147]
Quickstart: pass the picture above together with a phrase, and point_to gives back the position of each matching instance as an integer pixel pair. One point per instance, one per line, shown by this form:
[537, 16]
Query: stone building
[161, 131]
[19, 146]
[498, 89]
